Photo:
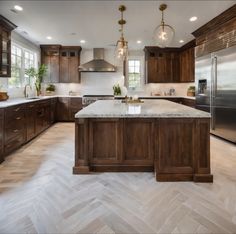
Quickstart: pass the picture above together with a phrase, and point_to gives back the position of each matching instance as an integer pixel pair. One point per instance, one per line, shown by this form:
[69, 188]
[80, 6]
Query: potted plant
[191, 91]
[38, 75]
[50, 89]
[117, 90]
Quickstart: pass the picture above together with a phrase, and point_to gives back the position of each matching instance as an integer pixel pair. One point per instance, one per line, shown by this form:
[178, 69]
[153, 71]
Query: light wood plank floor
[39, 194]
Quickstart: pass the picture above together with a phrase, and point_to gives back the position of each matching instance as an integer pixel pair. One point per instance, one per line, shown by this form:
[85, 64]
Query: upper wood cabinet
[50, 56]
[5, 46]
[62, 63]
[162, 65]
[170, 65]
[187, 65]
[217, 34]
[69, 63]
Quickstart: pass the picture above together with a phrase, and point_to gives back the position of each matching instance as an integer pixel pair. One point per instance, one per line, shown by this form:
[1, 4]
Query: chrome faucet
[25, 90]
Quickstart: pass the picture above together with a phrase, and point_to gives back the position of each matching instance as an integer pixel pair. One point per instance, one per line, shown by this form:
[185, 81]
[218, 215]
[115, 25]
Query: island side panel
[202, 157]
[105, 143]
[139, 147]
[175, 149]
[81, 147]
[183, 150]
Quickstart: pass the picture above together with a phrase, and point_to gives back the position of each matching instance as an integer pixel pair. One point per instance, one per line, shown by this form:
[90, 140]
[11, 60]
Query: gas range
[88, 99]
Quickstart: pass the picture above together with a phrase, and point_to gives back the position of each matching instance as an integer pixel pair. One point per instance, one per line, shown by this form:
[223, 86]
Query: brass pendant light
[121, 52]
[164, 33]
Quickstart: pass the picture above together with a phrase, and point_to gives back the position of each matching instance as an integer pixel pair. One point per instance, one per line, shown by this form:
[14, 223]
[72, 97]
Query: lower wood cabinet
[31, 121]
[173, 152]
[14, 128]
[138, 132]
[43, 116]
[67, 107]
[21, 123]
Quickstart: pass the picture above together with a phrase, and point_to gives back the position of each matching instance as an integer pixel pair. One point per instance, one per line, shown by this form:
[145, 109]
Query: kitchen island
[157, 135]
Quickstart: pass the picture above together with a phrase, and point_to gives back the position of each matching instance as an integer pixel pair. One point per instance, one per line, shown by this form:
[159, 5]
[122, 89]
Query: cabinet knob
[15, 130]
[18, 118]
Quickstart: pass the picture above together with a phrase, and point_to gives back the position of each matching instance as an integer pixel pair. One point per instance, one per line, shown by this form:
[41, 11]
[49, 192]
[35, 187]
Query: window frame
[22, 77]
[141, 59]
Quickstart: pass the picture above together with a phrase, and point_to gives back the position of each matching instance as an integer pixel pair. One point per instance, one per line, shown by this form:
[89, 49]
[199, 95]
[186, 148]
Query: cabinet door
[187, 65]
[151, 70]
[30, 121]
[73, 67]
[54, 68]
[50, 57]
[63, 109]
[64, 66]
[46, 60]
[175, 68]
[173, 156]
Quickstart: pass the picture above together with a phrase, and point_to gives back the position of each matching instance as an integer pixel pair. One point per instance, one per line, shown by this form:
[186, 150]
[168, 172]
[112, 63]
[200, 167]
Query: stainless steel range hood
[98, 64]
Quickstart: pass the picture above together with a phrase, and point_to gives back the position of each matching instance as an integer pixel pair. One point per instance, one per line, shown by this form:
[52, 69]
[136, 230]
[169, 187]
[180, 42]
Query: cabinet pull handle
[15, 130]
[17, 109]
[31, 106]
[18, 118]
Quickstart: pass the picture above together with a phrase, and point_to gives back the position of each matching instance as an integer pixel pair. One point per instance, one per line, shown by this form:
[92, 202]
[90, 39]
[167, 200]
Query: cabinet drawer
[13, 144]
[14, 132]
[16, 118]
[14, 110]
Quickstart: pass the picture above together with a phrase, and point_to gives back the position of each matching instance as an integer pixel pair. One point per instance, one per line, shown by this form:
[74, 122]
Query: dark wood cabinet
[1, 134]
[170, 65]
[187, 65]
[75, 105]
[5, 46]
[31, 121]
[63, 109]
[14, 128]
[162, 66]
[189, 102]
[53, 110]
[62, 63]
[43, 116]
[219, 33]
[174, 155]
[67, 107]
[69, 63]
[50, 56]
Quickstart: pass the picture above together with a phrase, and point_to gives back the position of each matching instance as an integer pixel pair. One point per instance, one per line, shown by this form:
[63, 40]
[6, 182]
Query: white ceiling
[96, 21]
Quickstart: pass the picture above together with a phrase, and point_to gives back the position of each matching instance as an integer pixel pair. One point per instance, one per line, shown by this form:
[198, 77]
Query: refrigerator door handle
[213, 91]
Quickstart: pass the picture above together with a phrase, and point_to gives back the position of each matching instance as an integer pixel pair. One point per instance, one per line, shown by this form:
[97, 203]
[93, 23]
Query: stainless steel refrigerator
[215, 77]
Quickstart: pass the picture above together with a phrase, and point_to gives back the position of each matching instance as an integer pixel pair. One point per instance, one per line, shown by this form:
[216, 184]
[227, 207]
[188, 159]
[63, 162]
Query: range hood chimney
[98, 64]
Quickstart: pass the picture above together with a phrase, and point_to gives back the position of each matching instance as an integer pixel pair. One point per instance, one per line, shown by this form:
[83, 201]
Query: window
[134, 73]
[21, 59]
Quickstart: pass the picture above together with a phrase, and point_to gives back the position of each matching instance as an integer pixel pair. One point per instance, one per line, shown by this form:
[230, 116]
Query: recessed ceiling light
[49, 37]
[139, 42]
[181, 41]
[18, 8]
[82, 41]
[192, 19]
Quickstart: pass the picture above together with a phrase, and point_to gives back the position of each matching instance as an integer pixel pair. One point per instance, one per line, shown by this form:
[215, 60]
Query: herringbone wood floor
[39, 194]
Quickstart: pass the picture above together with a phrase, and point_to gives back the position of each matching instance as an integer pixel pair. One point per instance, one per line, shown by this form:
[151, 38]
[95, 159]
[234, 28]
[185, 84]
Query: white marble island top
[147, 109]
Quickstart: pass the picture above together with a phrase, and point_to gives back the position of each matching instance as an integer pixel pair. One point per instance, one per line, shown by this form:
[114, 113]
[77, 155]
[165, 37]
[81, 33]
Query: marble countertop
[157, 97]
[17, 101]
[148, 109]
